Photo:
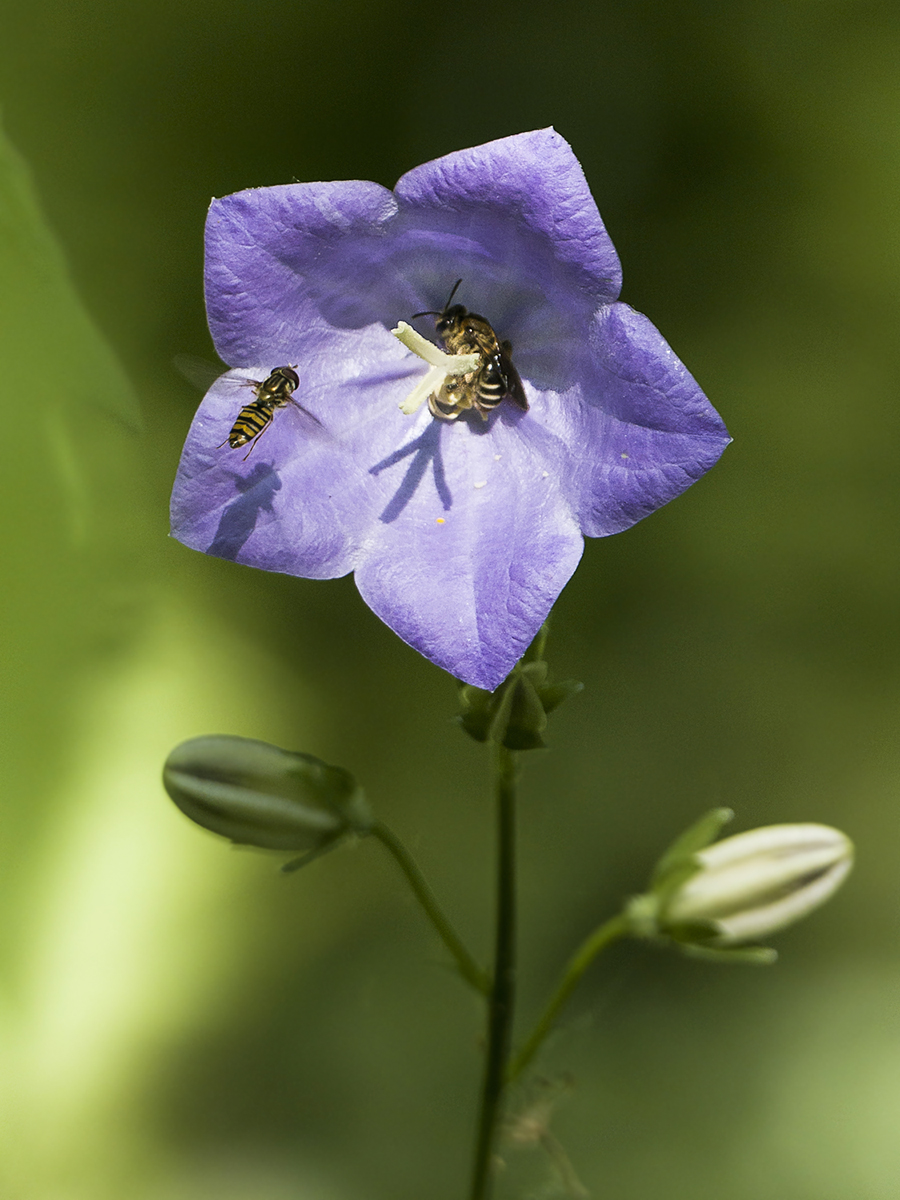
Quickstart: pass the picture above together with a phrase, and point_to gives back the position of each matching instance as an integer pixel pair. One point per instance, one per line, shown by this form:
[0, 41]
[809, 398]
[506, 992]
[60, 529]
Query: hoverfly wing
[199, 371]
[306, 412]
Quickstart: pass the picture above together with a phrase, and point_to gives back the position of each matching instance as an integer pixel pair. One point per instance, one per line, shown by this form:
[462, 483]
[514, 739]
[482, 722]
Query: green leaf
[76, 542]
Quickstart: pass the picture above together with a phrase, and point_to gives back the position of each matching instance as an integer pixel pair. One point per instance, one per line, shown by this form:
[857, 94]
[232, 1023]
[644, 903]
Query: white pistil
[442, 365]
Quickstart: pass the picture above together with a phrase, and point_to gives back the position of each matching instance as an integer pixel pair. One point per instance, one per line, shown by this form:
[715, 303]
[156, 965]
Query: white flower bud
[755, 883]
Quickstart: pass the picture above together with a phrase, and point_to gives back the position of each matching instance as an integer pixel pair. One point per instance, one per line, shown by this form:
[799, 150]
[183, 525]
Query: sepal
[515, 714]
[554, 694]
[678, 860]
[478, 711]
[754, 956]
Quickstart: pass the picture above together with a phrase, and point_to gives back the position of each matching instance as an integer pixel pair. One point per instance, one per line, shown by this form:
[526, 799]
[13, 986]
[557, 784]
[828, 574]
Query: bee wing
[514, 388]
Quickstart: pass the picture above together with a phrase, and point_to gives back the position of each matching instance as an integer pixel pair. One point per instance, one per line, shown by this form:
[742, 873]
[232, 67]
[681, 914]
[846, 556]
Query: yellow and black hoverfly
[464, 332]
[275, 391]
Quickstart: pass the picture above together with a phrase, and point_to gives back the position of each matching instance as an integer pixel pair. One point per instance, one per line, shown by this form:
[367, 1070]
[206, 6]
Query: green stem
[466, 964]
[602, 937]
[502, 997]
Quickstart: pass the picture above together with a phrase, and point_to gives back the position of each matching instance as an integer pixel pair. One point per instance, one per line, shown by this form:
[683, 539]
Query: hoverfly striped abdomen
[251, 421]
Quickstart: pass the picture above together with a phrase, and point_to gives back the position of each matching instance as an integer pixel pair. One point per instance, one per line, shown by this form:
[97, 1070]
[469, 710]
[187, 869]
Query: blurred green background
[180, 1022]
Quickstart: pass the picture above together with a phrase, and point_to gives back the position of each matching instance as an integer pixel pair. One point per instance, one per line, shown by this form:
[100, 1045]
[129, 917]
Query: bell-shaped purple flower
[461, 533]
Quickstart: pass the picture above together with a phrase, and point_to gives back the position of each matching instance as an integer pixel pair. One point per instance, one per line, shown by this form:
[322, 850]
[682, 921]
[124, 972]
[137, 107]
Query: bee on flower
[458, 493]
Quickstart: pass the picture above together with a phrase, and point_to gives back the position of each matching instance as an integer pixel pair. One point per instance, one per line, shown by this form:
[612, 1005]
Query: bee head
[450, 318]
[447, 316]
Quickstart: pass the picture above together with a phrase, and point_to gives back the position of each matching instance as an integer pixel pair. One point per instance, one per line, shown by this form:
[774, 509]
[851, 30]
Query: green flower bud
[749, 886]
[258, 795]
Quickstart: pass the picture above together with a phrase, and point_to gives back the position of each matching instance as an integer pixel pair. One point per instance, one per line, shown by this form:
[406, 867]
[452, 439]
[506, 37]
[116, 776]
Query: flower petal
[474, 548]
[274, 264]
[643, 431]
[530, 186]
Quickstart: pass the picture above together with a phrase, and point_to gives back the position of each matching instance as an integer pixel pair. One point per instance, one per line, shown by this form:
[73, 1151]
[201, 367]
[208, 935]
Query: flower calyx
[515, 714]
[259, 795]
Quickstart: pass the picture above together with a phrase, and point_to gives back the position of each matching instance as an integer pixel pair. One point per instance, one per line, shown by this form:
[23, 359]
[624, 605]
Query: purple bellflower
[461, 532]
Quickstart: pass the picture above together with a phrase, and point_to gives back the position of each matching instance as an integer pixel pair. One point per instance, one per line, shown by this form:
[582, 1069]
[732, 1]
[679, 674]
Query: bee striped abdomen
[493, 383]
